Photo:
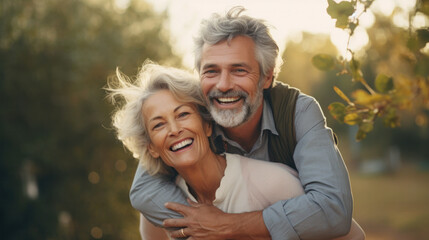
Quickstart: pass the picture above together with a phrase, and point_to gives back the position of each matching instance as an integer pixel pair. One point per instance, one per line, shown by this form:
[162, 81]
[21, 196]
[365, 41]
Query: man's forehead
[239, 51]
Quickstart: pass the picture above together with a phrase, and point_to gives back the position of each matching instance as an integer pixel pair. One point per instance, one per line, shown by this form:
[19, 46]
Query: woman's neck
[204, 179]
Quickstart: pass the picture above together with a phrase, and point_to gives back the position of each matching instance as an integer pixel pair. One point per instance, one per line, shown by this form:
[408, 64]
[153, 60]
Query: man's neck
[247, 133]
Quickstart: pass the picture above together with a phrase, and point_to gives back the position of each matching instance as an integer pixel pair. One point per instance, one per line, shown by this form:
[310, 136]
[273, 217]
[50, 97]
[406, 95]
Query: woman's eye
[183, 114]
[158, 125]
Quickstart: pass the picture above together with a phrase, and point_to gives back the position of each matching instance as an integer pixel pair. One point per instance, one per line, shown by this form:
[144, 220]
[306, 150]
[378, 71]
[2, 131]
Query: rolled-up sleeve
[149, 193]
[325, 210]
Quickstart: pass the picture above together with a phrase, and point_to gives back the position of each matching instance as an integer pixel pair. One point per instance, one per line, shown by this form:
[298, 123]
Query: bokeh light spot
[93, 177]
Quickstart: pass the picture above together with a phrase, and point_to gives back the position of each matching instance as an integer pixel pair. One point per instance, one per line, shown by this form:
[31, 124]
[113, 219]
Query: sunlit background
[65, 176]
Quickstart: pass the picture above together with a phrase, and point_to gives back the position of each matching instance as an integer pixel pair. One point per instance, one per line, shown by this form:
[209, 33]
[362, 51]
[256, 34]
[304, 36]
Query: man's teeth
[181, 144]
[228, 99]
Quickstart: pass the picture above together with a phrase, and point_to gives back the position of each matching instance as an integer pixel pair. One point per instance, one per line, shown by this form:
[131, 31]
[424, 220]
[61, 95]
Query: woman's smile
[182, 145]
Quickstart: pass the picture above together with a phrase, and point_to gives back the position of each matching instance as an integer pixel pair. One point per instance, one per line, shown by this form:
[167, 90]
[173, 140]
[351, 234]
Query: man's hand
[200, 221]
[205, 221]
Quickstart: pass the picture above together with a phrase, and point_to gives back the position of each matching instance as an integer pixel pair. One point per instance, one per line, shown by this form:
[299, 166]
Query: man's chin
[228, 119]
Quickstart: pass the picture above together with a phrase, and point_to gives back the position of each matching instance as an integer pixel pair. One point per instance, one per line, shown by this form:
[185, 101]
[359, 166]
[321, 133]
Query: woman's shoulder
[254, 165]
[273, 181]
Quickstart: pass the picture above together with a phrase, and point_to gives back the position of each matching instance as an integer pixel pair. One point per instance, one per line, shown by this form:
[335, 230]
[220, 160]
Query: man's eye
[240, 70]
[210, 72]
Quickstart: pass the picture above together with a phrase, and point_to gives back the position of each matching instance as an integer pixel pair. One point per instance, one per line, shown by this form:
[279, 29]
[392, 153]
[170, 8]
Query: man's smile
[227, 100]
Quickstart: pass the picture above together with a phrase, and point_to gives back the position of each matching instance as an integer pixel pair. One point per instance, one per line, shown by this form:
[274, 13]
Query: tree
[401, 81]
[63, 174]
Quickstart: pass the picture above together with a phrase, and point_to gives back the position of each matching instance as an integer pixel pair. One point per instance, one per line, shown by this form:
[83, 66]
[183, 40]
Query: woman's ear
[152, 151]
[207, 128]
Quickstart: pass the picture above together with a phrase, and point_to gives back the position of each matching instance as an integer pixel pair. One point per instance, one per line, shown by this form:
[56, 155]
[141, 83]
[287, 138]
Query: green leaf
[342, 22]
[360, 135]
[383, 83]
[342, 95]
[423, 37]
[391, 119]
[424, 7]
[352, 27]
[342, 9]
[355, 70]
[421, 68]
[338, 111]
[341, 12]
[368, 3]
[413, 44]
[323, 62]
[366, 126]
[352, 119]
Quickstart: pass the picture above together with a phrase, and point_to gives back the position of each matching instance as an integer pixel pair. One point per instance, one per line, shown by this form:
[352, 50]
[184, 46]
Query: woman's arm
[148, 231]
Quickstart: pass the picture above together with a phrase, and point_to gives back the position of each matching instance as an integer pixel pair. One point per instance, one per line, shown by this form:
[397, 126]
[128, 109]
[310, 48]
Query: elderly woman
[165, 124]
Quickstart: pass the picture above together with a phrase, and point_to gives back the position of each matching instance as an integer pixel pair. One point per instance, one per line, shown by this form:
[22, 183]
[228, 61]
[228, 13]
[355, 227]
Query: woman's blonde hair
[129, 95]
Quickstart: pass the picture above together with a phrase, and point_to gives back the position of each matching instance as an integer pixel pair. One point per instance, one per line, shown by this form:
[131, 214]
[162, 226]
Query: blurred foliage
[62, 173]
[399, 62]
[412, 138]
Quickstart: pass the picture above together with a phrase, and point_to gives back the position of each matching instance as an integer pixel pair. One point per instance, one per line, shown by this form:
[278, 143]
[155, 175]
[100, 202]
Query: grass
[392, 205]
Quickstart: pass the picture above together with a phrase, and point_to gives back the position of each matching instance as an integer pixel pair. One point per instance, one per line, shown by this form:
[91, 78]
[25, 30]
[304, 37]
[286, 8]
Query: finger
[192, 203]
[175, 222]
[179, 233]
[177, 207]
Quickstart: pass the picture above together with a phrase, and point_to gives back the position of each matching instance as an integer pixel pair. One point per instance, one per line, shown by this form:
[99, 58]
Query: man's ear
[268, 80]
[152, 151]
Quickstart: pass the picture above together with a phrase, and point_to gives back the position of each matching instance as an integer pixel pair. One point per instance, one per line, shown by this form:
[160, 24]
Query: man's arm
[325, 211]
[207, 222]
[149, 193]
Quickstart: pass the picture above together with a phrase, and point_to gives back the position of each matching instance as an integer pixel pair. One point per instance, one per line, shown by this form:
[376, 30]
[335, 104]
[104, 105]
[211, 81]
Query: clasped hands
[200, 221]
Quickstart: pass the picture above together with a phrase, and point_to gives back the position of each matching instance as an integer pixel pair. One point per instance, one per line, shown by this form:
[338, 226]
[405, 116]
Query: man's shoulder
[304, 101]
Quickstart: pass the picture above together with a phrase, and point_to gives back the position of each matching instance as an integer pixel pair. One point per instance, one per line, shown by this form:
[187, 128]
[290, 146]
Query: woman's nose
[175, 128]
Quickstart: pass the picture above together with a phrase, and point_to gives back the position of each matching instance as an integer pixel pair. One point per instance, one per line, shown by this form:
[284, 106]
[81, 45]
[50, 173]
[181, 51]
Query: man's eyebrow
[212, 65]
[209, 65]
[241, 65]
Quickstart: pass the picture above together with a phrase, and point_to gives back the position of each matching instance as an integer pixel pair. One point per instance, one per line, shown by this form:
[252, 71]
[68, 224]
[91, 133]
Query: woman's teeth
[181, 144]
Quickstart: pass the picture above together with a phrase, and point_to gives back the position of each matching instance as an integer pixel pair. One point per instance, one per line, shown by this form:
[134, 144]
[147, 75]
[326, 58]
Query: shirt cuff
[277, 223]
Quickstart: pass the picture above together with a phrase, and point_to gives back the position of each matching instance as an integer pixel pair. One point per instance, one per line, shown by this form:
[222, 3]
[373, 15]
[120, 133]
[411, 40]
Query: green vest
[282, 99]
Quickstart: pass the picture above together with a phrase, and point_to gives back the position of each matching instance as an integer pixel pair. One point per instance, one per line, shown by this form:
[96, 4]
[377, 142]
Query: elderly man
[257, 117]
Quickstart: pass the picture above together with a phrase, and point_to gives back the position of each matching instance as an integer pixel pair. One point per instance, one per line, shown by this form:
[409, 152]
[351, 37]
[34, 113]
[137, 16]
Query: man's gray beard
[230, 118]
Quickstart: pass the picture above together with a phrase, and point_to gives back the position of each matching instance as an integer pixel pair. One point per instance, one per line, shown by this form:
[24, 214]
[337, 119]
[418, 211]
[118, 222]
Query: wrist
[248, 225]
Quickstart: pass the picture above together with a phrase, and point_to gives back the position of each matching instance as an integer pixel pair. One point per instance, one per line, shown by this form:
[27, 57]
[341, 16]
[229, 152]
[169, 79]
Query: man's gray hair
[219, 28]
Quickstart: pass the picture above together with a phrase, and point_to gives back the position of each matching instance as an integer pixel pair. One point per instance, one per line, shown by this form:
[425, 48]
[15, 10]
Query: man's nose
[225, 82]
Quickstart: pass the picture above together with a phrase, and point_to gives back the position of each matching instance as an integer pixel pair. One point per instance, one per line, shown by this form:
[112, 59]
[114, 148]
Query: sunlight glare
[420, 21]
[122, 4]
[385, 7]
